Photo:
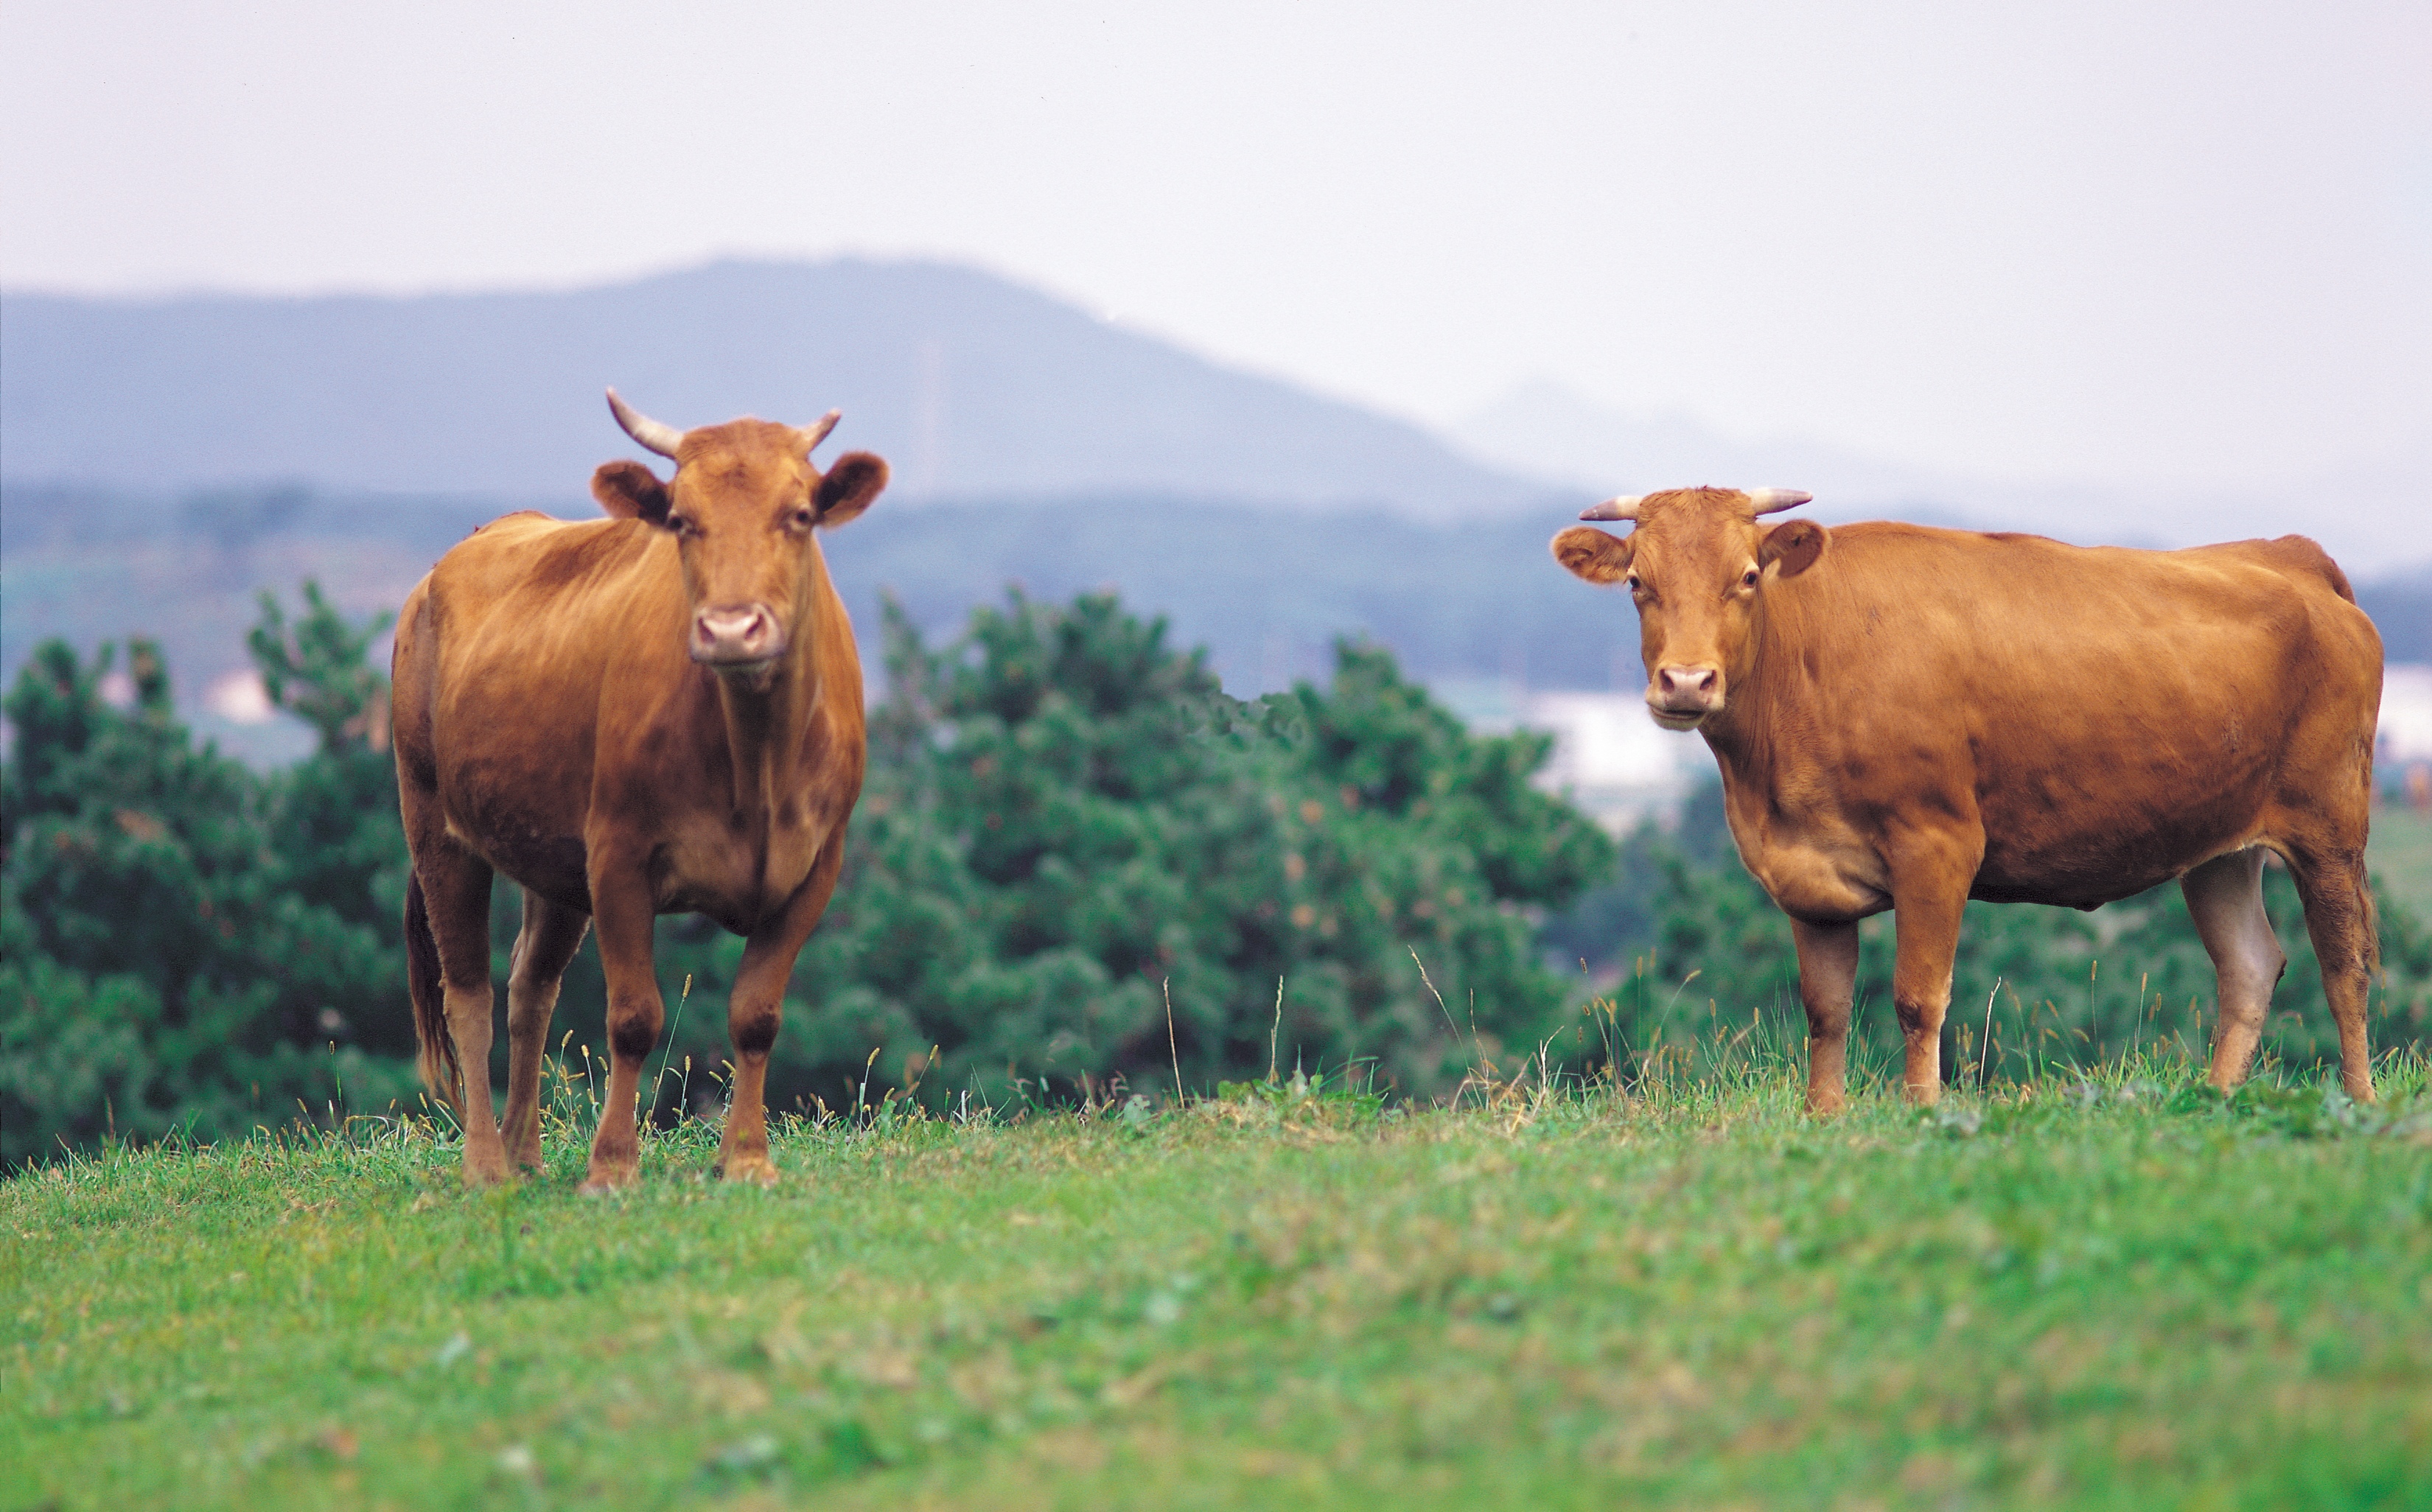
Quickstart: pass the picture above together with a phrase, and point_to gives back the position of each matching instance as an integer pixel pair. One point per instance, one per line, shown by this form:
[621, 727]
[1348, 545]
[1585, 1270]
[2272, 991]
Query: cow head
[1697, 566]
[742, 507]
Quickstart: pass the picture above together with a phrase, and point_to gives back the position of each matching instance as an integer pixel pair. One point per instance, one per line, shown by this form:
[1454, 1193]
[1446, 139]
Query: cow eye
[805, 519]
[1748, 578]
[679, 524]
[1630, 582]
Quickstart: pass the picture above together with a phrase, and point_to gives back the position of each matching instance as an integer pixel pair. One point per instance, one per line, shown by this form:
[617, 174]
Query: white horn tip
[1620, 507]
[1766, 500]
[816, 430]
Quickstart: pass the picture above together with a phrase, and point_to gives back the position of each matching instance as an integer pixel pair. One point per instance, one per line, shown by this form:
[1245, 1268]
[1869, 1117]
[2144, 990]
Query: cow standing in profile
[1906, 718]
[656, 713]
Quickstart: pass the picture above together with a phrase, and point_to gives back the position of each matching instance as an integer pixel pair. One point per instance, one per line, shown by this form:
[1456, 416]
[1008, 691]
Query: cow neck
[1744, 737]
[766, 730]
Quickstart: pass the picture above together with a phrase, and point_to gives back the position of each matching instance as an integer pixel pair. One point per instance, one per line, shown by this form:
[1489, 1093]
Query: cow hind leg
[1828, 986]
[2225, 899]
[2332, 885]
[550, 937]
[456, 900]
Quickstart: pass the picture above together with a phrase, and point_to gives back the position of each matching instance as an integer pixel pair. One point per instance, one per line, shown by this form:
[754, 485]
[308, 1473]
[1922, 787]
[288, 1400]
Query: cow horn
[1620, 507]
[817, 431]
[1772, 500]
[662, 439]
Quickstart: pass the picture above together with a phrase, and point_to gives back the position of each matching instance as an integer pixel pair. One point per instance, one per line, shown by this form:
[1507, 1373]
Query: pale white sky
[2185, 244]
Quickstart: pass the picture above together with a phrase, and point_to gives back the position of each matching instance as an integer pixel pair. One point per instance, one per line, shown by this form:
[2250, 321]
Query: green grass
[2114, 1294]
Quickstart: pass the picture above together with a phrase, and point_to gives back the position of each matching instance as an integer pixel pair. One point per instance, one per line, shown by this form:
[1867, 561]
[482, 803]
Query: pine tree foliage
[183, 943]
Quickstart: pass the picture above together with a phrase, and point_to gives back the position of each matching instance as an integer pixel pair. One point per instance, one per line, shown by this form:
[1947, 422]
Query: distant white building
[1608, 756]
[2405, 715]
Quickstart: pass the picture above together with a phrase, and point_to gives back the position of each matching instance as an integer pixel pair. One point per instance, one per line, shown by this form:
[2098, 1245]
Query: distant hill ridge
[971, 385]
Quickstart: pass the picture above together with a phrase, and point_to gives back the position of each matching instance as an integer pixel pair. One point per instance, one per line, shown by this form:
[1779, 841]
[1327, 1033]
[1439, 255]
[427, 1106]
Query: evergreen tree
[183, 944]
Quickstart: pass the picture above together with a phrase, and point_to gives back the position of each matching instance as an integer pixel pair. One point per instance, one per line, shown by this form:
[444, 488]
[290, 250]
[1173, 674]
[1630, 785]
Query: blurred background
[1284, 324]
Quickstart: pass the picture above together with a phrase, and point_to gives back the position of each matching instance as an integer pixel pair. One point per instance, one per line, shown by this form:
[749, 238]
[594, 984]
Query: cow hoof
[601, 1182]
[757, 1169]
[488, 1172]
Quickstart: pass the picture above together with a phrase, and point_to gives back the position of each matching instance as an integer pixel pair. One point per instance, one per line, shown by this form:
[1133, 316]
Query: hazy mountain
[2366, 515]
[968, 384]
[1553, 431]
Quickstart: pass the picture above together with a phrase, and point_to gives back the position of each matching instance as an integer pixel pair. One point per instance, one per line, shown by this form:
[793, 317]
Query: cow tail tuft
[435, 1048]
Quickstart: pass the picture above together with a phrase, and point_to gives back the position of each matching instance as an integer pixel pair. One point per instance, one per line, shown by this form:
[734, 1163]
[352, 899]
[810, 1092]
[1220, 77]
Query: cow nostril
[744, 629]
[1686, 682]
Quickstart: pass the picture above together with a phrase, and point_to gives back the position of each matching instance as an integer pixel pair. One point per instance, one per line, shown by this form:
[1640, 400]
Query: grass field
[2086, 1294]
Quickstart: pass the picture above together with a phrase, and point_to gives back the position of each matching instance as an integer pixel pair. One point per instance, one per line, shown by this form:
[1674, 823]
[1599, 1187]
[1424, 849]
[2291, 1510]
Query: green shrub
[188, 944]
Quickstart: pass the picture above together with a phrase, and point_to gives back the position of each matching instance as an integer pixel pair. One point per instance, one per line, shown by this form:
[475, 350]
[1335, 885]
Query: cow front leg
[1927, 945]
[1828, 986]
[754, 1014]
[1932, 870]
[622, 908]
[753, 1019]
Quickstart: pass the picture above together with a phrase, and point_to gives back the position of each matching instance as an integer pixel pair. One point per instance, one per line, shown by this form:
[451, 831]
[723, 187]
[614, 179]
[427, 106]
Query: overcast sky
[2183, 243]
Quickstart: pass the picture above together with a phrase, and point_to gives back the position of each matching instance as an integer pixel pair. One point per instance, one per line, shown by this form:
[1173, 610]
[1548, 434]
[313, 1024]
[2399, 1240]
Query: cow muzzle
[739, 639]
[1680, 697]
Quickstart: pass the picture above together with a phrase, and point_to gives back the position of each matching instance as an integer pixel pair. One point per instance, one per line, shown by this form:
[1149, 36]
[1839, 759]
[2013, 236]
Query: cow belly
[556, 866]
[2100, 824]
[2095, 868]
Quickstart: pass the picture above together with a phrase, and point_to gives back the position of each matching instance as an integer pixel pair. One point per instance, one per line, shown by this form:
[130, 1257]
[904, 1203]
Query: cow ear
[1794, 543]
[850, 486]
[1593, 555]
[630, 491]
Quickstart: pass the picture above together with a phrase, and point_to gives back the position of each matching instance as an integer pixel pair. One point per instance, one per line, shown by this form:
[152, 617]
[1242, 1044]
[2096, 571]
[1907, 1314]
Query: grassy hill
[2091, 1296]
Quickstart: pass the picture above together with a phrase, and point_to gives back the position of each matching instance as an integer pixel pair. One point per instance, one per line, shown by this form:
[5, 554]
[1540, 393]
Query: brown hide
[1909, 717]
[561, 719]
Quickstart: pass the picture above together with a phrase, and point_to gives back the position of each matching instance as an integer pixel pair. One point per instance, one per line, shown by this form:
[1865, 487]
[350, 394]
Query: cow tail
[2372, 932]
[434, 1046]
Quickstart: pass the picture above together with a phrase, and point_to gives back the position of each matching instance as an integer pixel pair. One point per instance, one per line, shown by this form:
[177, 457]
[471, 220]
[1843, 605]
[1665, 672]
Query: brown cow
[1906, 718]
[657, 713]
